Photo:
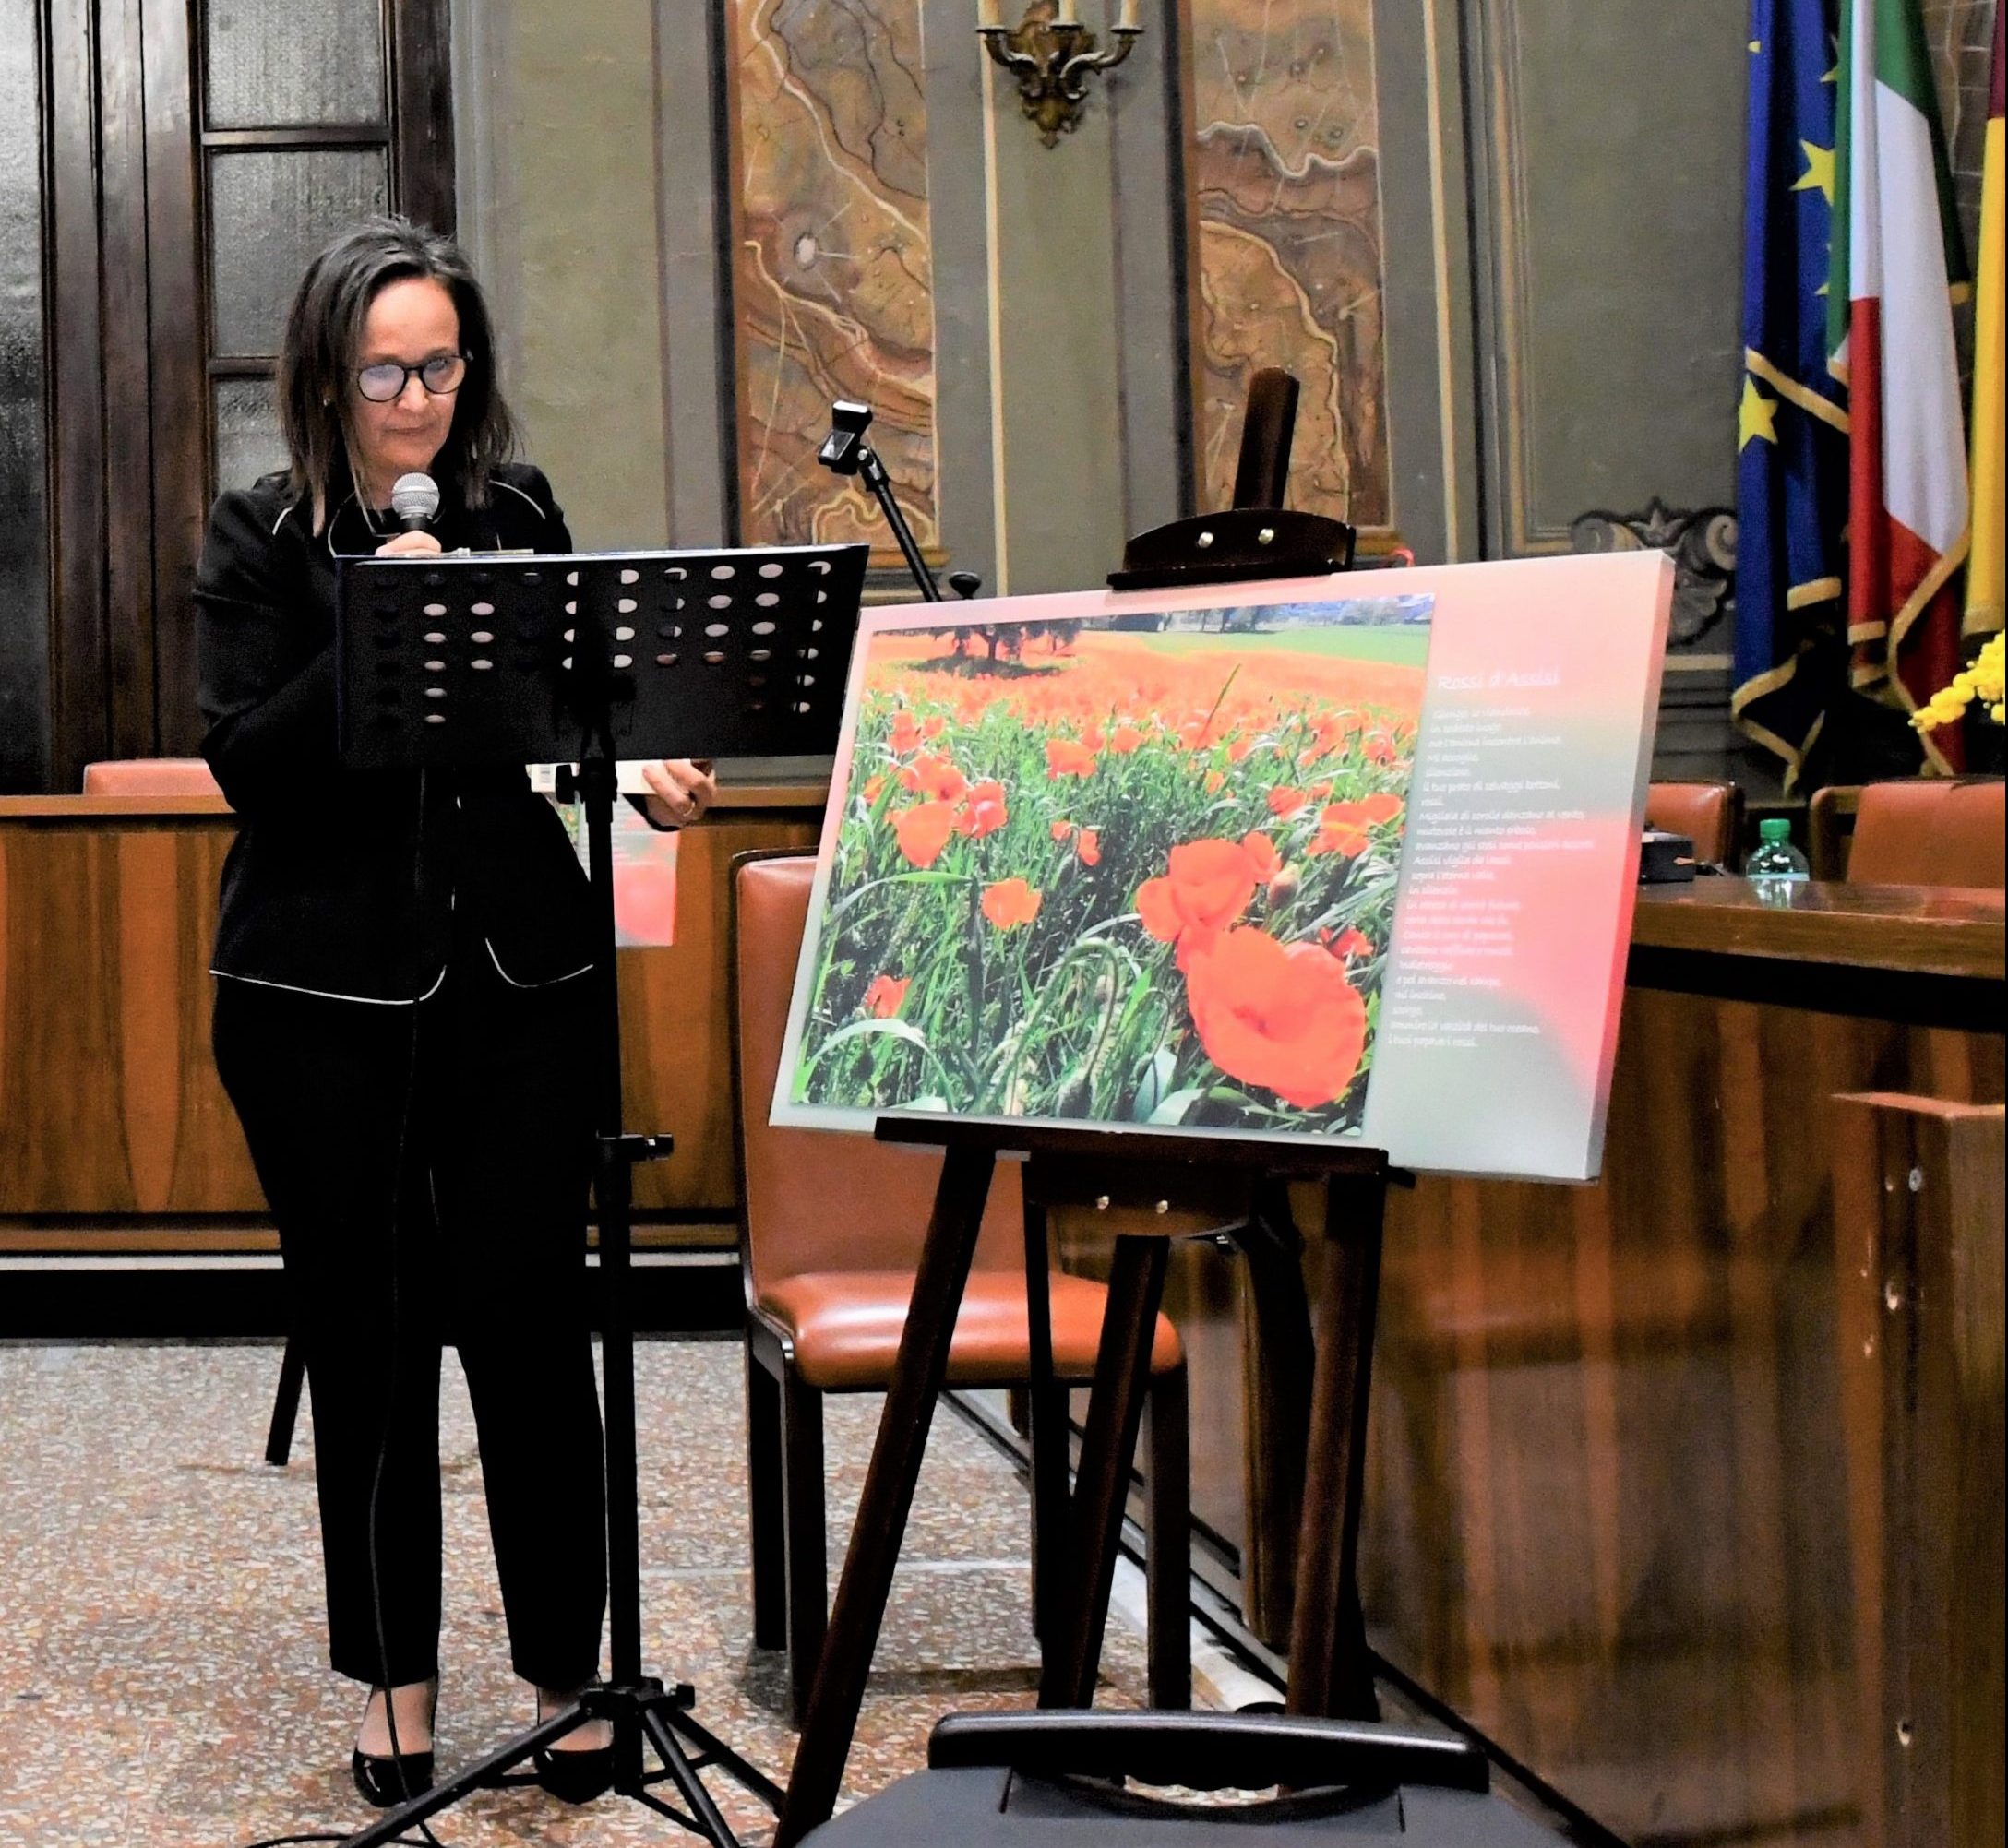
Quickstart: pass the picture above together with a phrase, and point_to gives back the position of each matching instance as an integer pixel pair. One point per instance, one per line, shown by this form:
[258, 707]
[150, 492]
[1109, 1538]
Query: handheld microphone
[414, 499]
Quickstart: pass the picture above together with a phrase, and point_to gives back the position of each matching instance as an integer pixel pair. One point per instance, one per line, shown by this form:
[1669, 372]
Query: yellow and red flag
[1984, 569]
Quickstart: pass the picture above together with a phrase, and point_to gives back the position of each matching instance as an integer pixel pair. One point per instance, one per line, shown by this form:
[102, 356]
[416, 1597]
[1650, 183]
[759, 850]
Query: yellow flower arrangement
[1982, 681]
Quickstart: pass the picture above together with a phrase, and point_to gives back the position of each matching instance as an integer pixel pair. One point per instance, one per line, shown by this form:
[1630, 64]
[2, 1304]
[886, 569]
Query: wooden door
[199, 152]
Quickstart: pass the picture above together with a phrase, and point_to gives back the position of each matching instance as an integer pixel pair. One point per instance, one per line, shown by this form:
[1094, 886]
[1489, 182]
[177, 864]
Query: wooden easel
[1222, 1183]
[1105, 1170]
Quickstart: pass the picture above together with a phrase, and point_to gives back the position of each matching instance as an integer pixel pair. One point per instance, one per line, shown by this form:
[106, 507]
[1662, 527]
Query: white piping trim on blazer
[520, 494]
[328, 995]
[513, 982]
[541, 513]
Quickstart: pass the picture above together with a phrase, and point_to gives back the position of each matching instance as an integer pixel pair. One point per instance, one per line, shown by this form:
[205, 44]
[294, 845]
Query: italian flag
[1897, 265]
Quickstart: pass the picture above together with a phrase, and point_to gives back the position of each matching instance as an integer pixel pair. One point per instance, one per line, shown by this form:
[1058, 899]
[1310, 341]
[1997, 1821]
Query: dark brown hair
[324, 334]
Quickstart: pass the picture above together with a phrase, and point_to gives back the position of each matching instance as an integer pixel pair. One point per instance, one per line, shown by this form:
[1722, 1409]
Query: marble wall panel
[1284, 168]
[831, 264]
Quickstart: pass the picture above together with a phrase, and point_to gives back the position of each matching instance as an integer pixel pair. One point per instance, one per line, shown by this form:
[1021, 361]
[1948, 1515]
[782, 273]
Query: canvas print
[1131, 869]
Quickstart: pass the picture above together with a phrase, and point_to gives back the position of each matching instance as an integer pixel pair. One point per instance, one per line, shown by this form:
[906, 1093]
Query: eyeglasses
[441, 375]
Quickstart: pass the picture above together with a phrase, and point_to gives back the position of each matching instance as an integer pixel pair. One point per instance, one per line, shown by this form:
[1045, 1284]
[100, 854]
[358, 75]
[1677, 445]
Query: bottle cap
[1775, 827]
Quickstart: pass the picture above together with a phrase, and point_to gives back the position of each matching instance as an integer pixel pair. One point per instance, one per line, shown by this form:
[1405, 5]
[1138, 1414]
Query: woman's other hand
[680, 790]
[408, 545]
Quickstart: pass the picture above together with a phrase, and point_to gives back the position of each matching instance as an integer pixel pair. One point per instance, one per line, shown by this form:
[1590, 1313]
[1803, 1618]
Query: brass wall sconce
[1052, 55]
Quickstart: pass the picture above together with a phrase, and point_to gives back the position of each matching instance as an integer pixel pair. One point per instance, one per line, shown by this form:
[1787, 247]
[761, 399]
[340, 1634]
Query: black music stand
[446, 662]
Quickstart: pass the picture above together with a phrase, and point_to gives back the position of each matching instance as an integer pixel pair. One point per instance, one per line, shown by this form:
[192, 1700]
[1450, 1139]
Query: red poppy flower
[873, 785]
[1010, 903]
[985, 812]
[1285, 803]
[1342, 826]
[1088, 844]
[1262, 856]
[1207, 885]
[1217, 780]
[939, 780]
[884, 995]
[923, 831]
[1339, 837]
[1239, 749]
[932, 728]
[905, 733]
[1123, 739]
[1062, 829]
[1285, 1019]
[1065, 758]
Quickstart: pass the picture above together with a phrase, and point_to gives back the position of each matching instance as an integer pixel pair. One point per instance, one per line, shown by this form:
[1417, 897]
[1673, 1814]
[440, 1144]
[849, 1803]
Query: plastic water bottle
[1776, 868]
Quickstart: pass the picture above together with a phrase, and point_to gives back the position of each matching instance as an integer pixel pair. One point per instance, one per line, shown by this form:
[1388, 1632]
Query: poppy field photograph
[1134, 869]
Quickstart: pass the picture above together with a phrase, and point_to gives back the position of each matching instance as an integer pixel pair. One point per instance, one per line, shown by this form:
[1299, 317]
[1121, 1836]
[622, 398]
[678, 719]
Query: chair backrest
[150, 775]
[813, 1200]
[1709, 814]
[1930, 832]
[1830, 829]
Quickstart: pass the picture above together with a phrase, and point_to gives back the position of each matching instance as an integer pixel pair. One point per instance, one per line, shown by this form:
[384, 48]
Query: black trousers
[429, 1167]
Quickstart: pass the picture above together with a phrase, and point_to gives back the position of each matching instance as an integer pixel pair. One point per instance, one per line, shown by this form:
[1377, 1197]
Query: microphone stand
[845, 452]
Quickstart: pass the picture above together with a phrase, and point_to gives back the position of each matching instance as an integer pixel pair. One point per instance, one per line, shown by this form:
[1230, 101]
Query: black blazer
[337, 884]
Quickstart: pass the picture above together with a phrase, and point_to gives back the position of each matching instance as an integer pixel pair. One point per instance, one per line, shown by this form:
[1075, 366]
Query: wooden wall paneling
[675, 1050]
[421, 112]
[109, 1100]
[62, 1134]
[110, 1104]
[1608, 1509]
[24, 400]
[149, 1041]
[1918, 1190]
[128, 484]
[78, 730]
[177, 435]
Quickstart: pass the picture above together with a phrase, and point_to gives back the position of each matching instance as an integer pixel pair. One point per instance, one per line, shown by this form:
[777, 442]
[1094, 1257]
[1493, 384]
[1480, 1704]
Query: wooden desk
[1608, 1511]
[1912, 955]
[114, 1131]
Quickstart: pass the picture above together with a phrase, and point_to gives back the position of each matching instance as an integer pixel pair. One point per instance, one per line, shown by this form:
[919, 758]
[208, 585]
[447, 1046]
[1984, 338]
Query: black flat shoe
[578, 1776]
[386, 1783]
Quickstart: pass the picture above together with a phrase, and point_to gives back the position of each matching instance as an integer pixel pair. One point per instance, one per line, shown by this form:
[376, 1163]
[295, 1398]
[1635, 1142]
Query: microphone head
[414, 498]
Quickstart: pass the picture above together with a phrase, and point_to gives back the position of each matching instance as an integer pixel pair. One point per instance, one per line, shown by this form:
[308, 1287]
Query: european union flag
[1791, 479]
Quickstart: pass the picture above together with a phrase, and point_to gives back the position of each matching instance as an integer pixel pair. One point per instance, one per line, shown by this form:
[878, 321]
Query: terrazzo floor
[163, 1670]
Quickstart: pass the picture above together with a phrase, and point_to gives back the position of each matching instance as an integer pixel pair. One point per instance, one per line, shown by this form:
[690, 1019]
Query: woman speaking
[401, 1014]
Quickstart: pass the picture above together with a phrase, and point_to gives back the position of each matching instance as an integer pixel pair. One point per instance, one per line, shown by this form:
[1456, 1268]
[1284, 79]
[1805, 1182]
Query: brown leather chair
[1709, 814]
[831, 1230]
[150, 776]
[1921, 831]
